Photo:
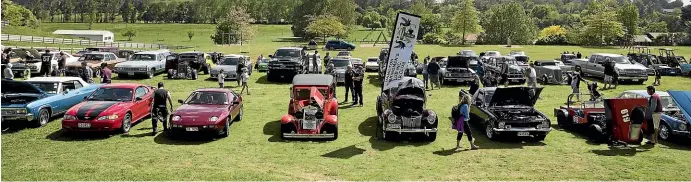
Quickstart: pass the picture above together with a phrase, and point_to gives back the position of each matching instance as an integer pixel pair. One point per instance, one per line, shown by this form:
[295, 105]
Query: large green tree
[326, 26]
[628, 17]
[602, 28]
[508, 21]
[233, 27]
[465, 20]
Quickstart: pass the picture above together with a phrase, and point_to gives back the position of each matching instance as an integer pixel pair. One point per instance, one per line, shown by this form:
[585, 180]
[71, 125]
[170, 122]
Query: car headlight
[213, 119]
[142, 69]
[501, 125]
[111, 117]
[432, 117]
[176, 118]
[682, 127]
[69, 117]
[545, 124]
[392, 118]
[22, 111]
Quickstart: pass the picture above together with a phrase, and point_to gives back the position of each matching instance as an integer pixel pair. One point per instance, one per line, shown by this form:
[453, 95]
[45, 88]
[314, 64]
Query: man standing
[160, 97]
[105, 73]
[327, 58]
[654, 111]
[7, 72]
[87, 73]
[433, 72]
[532, 77]
[61, 64]
[615, 74]
[609, 71]
[239, 70]
[315, 62]
[348, 83]
[578, 55]
[425, 75]
[480, 70]
[45, 63]
[259, 59]
[358, 75]
[505, 74]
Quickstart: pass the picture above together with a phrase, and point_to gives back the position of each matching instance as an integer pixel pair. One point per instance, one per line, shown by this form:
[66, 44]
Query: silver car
[340, 67]
[229, 65]
[552, 71]
[146, 63]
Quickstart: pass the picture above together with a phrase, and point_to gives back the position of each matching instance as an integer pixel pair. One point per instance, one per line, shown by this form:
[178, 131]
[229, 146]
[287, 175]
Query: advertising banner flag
[403, 39]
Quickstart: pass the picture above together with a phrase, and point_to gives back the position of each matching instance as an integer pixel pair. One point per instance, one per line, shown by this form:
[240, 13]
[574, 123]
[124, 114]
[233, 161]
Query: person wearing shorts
[221, 78]
[654, 111]
[245, 76]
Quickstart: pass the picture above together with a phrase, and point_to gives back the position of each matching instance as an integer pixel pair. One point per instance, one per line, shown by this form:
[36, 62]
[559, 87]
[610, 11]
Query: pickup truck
[624, 69]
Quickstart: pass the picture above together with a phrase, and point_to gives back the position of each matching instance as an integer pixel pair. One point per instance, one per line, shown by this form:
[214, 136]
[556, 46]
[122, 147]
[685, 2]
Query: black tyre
[43, 117]
[432, 136]
[665, 132]
[126, 123]
[226, 129]
[540, 137]
[379, 109]
[545, 79]
[489, 132]
[151, 73]
[563, 120]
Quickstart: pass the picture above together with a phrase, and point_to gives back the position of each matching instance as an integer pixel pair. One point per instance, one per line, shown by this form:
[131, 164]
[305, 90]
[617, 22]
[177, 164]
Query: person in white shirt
[221, 78]
[315, 62]
[7, 72]
[245, 76]
[532, 76]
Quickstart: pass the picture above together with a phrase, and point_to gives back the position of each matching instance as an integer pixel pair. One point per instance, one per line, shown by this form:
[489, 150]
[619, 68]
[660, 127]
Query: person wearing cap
[161, 96]
[654, 112]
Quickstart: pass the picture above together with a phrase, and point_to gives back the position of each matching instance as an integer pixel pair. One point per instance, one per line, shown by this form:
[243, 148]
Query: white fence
[51, 40]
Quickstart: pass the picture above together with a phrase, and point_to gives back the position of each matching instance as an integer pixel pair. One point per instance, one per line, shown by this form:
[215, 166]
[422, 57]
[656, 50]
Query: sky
[687, 2]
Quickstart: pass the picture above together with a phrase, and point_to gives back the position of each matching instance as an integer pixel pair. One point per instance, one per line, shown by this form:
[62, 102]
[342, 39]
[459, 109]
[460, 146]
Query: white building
[94, 35]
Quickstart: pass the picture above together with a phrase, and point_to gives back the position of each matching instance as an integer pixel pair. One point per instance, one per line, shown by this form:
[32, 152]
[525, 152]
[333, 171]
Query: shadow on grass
[369, 128]
[288, 39]
[13, 127]
[61, 135]
[168, 138]
[580, 132]
[622, 151]
[265, 80]
[273, 129]
[374, 80]
[345, 153]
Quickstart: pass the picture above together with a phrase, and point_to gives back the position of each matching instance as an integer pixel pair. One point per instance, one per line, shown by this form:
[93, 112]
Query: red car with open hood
[313, 111]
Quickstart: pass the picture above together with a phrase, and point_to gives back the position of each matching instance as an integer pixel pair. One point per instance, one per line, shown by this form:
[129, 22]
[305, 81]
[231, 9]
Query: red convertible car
[209, 110]
[313, 111]
[110, 107]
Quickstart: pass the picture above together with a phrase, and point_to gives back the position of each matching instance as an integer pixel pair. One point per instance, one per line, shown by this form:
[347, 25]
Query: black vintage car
[285, 63]
[195, 59]
[401, 110]
[509, 112]
[458, 70]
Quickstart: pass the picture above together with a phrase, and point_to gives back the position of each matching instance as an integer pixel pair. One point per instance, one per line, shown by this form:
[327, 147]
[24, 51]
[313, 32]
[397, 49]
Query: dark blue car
[339, 44]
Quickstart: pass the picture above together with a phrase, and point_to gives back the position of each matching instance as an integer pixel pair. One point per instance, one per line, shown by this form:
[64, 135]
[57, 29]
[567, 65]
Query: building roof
[82, 32]
[641, 38]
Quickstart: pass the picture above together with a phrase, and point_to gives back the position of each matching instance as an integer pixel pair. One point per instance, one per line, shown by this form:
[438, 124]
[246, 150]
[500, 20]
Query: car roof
[608, 55]
[212, 90]
[153, 52]
[372, 58]
[52, 79]
[313, 79]
[645, 93]
[290, 48]
[122, 85]
[95, 52]
[545, 61]
[192, 52]
[234, 55]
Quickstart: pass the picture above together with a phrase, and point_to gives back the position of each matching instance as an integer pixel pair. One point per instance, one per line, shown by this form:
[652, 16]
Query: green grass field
[254, 150]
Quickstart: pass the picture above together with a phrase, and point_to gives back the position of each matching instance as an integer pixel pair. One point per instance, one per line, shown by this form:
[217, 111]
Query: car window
[140, 92]
[77, 84]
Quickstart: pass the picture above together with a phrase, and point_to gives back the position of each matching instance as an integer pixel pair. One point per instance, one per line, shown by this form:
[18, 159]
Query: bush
[552, 40]
[433, 38]
[454, 38]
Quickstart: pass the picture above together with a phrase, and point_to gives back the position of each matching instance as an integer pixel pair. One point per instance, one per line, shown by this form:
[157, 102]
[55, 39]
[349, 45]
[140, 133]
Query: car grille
[524, 125]
[634, 72]
[556, 74]
[512, 75]
[129, 69]
[413, 122]
[11, 112]
[285, 65]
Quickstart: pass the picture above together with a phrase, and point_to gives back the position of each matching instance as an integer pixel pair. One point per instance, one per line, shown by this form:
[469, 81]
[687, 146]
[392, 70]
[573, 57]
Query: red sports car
[209, 110]
[110, 107]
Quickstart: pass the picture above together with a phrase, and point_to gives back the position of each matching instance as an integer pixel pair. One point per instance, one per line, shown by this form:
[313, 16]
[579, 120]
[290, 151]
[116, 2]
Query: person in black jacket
[239, 70]
[348, 83]
[161, 96]
[474, 85]
[358, 75]
[433, 73]
[45, 63]
[609, 73]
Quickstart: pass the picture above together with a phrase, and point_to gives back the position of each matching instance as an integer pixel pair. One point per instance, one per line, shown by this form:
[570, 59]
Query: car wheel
[489, 132]
[545, 79]
[350, 48]
[563, 121]
[226, 129]
[665, 132]
[206, 70]
[126, 123]
[379, 109]
[150, 73]
[540, 137]
[432, 136]
[43, 117]
[239, 117]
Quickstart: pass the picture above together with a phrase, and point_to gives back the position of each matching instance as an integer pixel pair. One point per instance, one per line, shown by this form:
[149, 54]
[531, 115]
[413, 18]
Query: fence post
[44, 40]
[20, 38]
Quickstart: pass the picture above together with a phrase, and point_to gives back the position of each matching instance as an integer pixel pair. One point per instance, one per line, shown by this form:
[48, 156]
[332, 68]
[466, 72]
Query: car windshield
[230, 61]
[111, 94]
[91, 57]
[209, 98]
[287, 53]
[304, 94]
[668, 102]
[492, 53]
[143, 57]
[620, 60]
[509, 61]
[340, 62]
[188, 56]
[372, 60]
[517, 53]
[343, 54]
[468, 52]
[549, 64]
[47, 87]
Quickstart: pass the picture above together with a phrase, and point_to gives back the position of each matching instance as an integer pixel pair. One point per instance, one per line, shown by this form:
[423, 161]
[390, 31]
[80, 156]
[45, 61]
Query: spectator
[461, 123]
[480, 70]
[433, 73]
[532, 76]
[474, 85]
[221, 78]
[61, 64]
[45, 63]
[348, 83]
[259, 59]
[315, 62]
[609, 71]
[578, 55]
[505, 74]
[358, 76]
[327, 58]
[654, 111]
[425, 76]
[105, 73]
[87, 73]
[615, 74]
[7, 72]
[240, 69]
[245, 77]
[658, 76]
[576, 84]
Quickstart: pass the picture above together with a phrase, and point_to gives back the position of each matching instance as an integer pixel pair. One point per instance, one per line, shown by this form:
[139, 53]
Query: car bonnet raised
[13, 87]
[683, 101]
[459, 61]
[407, 86]
[313, 79]
[525, 96]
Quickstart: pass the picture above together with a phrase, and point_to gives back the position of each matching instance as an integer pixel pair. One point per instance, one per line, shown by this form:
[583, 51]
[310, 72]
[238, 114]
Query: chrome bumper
[633, 77]
[295, 135]
[521, 129]
[681, 133]
[27, 117]
[424, 130]
[459, 79]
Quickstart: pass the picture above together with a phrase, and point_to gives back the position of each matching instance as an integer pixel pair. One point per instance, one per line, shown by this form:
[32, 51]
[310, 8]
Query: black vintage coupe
[401, 110]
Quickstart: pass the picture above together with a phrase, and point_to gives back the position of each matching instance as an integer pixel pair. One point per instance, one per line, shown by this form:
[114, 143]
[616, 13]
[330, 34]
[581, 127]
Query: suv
[144, 63]
[339, 44]
[624, 69]
[313, 110]
[286, 63]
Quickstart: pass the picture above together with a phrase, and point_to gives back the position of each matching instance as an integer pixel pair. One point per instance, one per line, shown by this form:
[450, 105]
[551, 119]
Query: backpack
[455, 113]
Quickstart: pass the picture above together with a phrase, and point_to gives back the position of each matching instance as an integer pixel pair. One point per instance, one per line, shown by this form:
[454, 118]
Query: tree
[344, 10]
[306, 12]
[372, 20]
[234, 27]
[508, 21]
[603, 27]
[129, 33]
[628, 16]
[18, 15]
[326, 26]
[656, 27]
[190, 34]
[466, 20]
[552, 35]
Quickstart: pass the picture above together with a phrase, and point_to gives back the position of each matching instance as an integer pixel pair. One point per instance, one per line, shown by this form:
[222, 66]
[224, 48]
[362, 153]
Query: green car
[263, 65]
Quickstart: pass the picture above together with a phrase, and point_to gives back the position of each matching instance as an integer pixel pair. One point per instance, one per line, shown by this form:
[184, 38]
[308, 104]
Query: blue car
[339, 44]
[39, 99]
[674, 121]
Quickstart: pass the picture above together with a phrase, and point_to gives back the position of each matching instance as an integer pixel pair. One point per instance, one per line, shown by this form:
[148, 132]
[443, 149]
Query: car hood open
[15, 87]
[525, 96]
[683, 101]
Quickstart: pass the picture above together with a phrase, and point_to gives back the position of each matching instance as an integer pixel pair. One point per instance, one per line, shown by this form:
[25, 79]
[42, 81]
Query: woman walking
[461, 123]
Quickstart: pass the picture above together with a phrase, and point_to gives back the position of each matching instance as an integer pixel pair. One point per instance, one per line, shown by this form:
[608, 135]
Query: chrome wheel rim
[126, 123]
[664, 132]
[488, 132]
[43, 119]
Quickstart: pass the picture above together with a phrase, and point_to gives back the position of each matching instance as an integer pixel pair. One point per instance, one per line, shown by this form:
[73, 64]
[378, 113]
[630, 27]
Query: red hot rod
[313, 111]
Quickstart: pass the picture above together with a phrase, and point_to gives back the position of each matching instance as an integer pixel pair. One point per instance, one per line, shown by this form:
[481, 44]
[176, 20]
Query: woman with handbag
[461, 122]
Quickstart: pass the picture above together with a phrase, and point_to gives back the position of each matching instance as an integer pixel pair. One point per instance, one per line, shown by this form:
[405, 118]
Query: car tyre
[151, 73]
[489, 133]
[43, 117]
[350, 49]
[126, 123]
[540, 137]
[432, 136]
[563, 121]
[665, 132]
[239, 117]
[226, 129]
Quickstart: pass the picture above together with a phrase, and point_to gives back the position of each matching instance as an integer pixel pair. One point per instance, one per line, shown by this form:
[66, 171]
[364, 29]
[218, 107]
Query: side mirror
[138, 99]
[236, 102]
[66, 91]
[181, 101]
[271, 56]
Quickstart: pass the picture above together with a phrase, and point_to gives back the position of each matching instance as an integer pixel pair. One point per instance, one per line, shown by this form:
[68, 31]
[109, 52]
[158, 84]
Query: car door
[234, 109]
[476, 108]
[141, 107]
[70, 92]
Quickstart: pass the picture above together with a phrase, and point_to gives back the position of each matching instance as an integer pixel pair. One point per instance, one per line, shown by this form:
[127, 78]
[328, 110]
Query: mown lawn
[254, 150]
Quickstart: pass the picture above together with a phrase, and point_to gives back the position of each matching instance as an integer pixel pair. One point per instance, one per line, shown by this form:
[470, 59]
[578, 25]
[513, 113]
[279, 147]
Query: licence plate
[130, 73]
[192, 129]
[523, 133]
[459, 80]
[514, 80]
[309, 125]
[84, 125]
[671, 72]
[394, 125]
[635, 80]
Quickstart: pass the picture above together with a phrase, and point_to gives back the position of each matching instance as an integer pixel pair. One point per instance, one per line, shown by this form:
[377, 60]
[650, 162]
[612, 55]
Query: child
[245, 77]
[221, 78]
[658, 76]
